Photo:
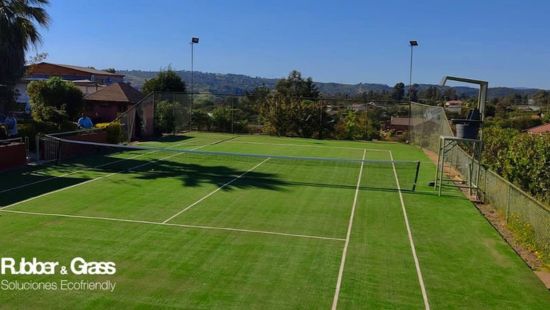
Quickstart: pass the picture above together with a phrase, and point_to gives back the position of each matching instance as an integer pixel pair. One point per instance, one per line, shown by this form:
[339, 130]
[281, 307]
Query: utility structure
[463, 150]
[194, 40]
[412, 44]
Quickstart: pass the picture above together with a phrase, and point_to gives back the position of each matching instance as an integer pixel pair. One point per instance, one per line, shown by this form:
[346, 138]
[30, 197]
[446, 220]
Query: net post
[416, 175]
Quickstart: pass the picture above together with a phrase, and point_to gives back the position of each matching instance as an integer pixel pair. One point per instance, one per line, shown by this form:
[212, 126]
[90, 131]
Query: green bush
[55, 100]
[33, 128]
[114, 131]
[496, 142]
[165, 120]
[521, 158]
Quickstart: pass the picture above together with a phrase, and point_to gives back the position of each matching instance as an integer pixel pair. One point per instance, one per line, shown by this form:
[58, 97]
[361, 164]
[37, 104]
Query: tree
[18, 31]
[165, 81]
[398, 92]
[431, 95]
[294, 86]
[55, 100]
[165, 119]
[542, 98]
[414, 92]
[292, 109]
[449, 93]
[348, 127]
[110, 70]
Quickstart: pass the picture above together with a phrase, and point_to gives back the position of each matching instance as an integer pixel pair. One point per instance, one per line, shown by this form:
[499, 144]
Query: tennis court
[206, 220]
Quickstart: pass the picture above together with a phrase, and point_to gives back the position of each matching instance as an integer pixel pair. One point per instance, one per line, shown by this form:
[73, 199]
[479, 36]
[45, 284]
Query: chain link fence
[321, 118]
[527, 217]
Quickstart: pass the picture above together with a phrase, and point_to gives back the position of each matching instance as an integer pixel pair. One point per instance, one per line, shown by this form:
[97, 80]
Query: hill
[238, 84]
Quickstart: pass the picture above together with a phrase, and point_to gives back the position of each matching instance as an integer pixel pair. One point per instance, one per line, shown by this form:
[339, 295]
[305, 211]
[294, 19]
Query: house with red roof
[87, 79]
[107, 103]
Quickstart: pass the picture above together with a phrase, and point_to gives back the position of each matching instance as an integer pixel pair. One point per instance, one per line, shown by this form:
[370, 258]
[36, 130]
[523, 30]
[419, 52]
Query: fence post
[508, 204]
[484, 191]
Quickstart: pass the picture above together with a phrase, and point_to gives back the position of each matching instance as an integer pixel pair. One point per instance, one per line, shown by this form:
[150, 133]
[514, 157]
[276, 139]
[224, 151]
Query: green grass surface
[271, 237]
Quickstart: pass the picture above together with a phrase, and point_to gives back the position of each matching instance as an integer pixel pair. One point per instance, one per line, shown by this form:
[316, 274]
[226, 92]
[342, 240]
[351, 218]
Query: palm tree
[19, 21]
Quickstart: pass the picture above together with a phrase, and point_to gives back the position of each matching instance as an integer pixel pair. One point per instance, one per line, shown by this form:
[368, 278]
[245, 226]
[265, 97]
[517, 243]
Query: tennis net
[186, 160]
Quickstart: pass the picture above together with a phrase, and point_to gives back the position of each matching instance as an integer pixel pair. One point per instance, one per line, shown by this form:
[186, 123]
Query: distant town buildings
[454, 106]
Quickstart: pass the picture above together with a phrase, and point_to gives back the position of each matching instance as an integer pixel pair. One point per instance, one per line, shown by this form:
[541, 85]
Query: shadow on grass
[195, 174]
[172, 138]
[192, 172]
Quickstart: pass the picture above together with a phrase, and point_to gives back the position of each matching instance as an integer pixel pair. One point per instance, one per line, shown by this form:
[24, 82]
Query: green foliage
[292, 109]
[202, 120]
[294, 86]
[525, 234]
[398, 91]
[55, 100]
[165, 120]
[521, 122]
[114, 131]
[18, 31]
[528, 164]
[348, 127]
[354, 126]
[165, 81]
[33, 128]
[227, 119]
[521, 158]
[496, 141]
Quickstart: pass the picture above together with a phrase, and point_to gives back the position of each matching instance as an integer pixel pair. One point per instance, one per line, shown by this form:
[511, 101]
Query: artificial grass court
[219, 231]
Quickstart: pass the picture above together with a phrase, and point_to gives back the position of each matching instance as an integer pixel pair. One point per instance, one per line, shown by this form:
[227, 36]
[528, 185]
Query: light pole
[412, 43]
[194, 40]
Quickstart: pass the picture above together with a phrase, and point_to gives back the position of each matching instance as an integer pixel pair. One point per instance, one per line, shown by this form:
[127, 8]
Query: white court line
[80, 170]
[174, 225]
[103, 177]
[214, 191]
[305, 145]
[348, 236]
[411, 241]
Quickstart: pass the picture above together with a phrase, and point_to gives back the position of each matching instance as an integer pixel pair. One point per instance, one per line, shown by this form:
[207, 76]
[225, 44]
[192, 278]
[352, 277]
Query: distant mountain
[238, 84]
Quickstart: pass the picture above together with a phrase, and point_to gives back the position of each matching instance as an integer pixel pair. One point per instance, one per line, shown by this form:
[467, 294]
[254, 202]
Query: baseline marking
[305, 145]
[214, 191]
[80, 170]
[101, 177]
[348, 236]
[411, 241]
[173, 225]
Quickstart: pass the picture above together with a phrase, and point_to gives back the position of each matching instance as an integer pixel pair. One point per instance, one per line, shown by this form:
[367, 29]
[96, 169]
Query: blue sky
[505, 42]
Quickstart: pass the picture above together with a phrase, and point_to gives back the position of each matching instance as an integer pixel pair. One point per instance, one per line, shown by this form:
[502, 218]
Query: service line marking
[411, 241]
[172, 224]
[348, 236]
